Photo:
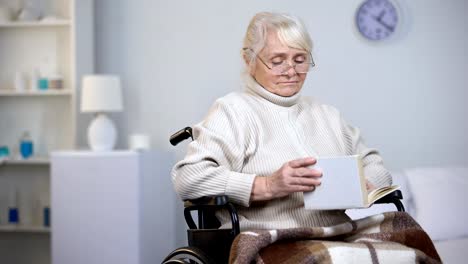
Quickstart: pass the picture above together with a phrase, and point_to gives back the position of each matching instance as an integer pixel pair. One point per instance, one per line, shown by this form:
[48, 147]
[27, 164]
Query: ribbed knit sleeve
[373, 166]
[215, 158]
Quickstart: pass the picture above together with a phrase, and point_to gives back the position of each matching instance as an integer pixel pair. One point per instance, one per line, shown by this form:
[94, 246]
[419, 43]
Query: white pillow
[440, 197]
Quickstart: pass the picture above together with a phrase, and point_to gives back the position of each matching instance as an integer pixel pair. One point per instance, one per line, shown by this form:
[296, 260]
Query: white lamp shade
[101, 93]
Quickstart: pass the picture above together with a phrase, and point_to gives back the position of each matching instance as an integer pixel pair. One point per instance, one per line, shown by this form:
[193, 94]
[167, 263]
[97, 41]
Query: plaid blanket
[392, 237]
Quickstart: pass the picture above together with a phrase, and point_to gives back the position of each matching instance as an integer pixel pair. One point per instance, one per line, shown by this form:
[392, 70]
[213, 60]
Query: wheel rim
[187, 255]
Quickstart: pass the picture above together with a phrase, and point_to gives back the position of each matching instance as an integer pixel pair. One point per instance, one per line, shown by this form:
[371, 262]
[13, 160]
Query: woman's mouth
[288, 82]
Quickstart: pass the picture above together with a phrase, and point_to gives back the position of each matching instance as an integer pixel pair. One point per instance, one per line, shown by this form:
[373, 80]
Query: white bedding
[453, 251]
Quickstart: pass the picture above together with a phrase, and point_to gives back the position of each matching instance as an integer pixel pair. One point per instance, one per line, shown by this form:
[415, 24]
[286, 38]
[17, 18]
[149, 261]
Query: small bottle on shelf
[46, 68]
[43, 83]
[45, 208]
[26, 146]
[55, 81]
[13, 212]
[34, 83]
[20, 81]
[46, 216]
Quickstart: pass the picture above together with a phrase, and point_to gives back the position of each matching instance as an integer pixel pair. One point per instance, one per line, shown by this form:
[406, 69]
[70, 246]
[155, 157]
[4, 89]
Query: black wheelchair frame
[203, 239]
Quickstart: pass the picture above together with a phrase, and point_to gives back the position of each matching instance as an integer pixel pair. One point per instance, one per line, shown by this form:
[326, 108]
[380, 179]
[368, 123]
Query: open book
[343, 185]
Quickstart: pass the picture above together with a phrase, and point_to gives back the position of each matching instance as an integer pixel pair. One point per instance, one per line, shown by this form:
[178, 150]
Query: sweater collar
[255, 87]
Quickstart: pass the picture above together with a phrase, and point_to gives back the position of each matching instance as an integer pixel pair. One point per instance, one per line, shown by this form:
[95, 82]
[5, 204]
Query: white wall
[408, 97]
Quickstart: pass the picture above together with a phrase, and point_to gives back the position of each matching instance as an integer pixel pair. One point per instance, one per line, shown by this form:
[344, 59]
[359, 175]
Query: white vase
[102, 134]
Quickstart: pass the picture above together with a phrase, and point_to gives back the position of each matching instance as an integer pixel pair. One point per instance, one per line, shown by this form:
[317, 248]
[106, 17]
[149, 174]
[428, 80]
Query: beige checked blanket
[392, 237]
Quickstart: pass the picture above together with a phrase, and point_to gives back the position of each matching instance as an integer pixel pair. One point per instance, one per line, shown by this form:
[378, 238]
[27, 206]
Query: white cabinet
[112, 207]
[61, 44]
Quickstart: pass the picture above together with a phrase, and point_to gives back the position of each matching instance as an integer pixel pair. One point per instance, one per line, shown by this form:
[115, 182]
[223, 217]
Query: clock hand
[388, 27]
[382, 13]
[380, 21]
[379, 17]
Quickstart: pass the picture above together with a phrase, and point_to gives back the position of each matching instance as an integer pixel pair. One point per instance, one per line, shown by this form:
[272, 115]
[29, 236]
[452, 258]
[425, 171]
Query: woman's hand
[369, 186]
[293, 176]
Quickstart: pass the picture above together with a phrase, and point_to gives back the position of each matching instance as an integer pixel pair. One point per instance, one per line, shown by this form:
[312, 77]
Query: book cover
[343, 185]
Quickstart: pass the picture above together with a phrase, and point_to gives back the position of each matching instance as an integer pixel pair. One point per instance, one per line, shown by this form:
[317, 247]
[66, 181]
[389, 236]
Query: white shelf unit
[63, 45]
[24, 229]
[31, 161]
[19, 24]
[5, 92]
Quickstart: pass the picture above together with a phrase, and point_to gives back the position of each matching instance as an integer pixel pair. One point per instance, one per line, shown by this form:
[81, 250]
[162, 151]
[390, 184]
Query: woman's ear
[249, 64]
[246, 60]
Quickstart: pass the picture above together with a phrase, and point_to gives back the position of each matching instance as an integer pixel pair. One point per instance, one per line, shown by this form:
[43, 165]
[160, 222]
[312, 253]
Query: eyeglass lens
[299, 68]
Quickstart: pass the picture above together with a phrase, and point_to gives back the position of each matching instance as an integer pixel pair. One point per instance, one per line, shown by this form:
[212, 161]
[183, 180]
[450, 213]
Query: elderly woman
[257, 146]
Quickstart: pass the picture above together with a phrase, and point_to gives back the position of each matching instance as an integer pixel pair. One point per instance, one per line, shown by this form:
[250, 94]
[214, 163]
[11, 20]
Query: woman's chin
[288, 91]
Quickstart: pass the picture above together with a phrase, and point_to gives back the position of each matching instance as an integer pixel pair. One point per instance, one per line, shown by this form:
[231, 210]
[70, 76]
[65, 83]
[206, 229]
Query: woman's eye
[277, 62]
[300, 60]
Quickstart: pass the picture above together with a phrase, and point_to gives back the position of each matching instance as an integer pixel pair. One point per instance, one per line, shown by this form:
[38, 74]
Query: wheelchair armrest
[206, 206]
[218, 200]
[395, 198]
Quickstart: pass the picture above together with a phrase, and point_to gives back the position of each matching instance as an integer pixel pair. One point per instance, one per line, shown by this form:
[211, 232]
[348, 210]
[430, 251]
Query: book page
[381, 192]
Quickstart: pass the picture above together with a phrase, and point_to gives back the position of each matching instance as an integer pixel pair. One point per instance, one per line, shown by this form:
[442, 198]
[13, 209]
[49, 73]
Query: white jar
[34, 81]
[20, 81]
[139, 142]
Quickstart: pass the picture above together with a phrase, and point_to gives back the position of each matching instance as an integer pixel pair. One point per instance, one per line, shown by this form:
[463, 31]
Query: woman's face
[275, 52]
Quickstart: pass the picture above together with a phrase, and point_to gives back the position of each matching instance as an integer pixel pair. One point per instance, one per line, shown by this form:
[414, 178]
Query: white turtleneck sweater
[253, 133]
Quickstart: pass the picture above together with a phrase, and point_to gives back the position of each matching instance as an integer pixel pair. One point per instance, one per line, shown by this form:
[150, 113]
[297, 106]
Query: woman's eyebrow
[276, 54]
[285, 54]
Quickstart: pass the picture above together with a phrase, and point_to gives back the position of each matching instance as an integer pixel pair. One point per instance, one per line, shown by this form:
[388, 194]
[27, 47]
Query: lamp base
[102, 133]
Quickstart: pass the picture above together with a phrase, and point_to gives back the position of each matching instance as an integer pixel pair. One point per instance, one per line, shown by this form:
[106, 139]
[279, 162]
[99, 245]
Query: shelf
[24, 229]
[28, 24]
[31, 161]
[49, 92]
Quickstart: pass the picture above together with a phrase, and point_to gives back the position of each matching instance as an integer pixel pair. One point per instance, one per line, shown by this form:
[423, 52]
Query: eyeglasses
[282, 67]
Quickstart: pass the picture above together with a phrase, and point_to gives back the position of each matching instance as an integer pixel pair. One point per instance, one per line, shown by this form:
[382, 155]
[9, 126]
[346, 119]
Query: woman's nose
[290, 72]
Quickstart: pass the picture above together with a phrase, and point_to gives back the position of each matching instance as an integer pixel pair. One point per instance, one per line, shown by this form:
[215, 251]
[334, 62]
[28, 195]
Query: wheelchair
[207, 244]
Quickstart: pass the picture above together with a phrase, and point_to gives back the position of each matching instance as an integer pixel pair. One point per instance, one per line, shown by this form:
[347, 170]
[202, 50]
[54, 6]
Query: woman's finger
[307, 172]
[298, 163]
[313, 181]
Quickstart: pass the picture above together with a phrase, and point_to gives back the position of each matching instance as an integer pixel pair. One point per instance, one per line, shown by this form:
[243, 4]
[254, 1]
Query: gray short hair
[290, 30]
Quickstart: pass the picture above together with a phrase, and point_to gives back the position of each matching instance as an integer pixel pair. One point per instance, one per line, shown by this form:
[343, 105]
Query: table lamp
[101, 94]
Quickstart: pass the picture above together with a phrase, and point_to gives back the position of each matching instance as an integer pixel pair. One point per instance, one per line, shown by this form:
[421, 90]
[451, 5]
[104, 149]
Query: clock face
[377, 19]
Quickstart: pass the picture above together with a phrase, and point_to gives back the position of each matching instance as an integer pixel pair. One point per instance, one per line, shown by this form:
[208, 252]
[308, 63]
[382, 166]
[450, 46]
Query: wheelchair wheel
[187, 255]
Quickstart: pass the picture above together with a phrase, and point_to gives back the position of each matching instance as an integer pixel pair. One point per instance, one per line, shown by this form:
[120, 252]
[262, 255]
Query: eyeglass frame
[312, 63]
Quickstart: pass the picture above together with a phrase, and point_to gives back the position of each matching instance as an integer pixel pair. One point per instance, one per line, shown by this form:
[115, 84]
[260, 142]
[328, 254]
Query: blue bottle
[13, 215]
[26, 146]
[43, 84]
[46, 214]
[4, 151]
[13, 212]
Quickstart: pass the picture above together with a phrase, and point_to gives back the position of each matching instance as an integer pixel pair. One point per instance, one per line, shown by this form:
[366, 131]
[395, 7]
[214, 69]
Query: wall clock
[378, 20]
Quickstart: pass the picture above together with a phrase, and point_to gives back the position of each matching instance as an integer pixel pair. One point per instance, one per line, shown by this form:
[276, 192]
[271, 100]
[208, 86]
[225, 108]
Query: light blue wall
[408, 96]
